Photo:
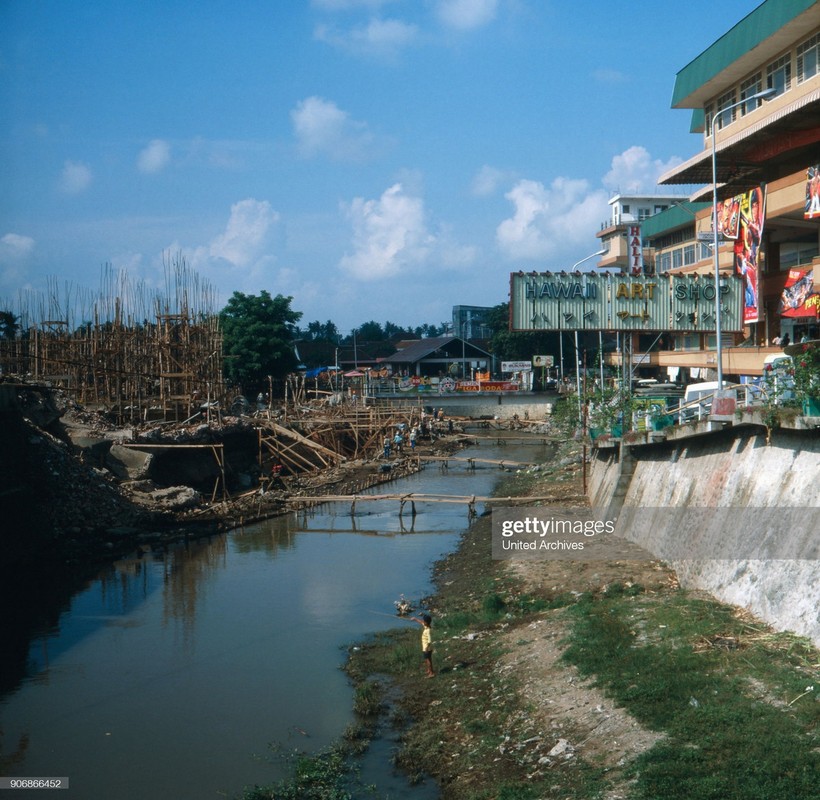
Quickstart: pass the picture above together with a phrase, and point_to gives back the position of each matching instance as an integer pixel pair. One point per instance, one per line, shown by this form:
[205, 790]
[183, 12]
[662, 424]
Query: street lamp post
[577, 354]
[765, 94]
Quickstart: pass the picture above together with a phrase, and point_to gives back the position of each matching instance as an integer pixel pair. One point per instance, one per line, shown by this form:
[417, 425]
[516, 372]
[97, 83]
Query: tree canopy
[258, 336]
[8, 325]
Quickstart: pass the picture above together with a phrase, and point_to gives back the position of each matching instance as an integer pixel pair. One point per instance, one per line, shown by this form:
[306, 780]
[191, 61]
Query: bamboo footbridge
[412, 498]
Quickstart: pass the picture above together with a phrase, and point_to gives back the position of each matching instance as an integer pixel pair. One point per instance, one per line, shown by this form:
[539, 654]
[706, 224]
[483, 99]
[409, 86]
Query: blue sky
[374, 159]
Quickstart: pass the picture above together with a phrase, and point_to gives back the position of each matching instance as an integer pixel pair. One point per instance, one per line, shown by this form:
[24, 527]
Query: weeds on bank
[739, 716]
[324, 776]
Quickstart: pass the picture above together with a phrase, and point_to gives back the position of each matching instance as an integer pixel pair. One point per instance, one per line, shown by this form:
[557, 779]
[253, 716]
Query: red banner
[798, 299]
[741, 218]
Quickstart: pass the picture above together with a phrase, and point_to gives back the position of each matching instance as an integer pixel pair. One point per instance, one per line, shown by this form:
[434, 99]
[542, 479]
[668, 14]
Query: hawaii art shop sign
[601, 301]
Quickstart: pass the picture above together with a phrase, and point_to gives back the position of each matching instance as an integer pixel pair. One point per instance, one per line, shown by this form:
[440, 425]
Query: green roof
[756, 27]
[674, 217]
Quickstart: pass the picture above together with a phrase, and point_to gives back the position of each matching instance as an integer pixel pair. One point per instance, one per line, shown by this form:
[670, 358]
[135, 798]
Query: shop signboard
[592, 301]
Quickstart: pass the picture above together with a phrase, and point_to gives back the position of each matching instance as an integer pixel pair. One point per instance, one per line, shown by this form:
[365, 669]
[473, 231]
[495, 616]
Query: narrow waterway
[184, 674]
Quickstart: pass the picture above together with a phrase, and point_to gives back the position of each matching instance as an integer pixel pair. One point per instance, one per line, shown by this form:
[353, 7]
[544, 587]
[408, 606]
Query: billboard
[600, 301]
[812, 210]
[798, 299]
[741, 219]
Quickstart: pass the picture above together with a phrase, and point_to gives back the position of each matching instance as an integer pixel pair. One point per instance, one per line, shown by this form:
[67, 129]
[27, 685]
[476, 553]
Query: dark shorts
[428, 654]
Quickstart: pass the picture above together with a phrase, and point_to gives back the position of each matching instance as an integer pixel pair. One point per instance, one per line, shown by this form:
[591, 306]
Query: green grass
[324, 776]
[723, 740]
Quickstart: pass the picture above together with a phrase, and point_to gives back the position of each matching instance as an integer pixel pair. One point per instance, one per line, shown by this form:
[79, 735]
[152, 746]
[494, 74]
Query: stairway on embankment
[733, 515]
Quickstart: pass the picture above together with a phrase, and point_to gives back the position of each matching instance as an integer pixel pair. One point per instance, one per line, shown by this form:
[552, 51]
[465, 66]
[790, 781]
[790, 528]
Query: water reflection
[168, 674]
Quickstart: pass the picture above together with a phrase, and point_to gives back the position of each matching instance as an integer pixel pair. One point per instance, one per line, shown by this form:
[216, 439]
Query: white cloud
[75, 177]
[246, 235]
[487, 181]
[154, 157]
[389, 235]
[382, 38]
[322, 128]
[635, 171]
[14, 253]
[549, 221]
[466, 14]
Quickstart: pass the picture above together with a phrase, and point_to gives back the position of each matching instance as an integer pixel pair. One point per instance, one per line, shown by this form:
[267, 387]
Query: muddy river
[184, 674]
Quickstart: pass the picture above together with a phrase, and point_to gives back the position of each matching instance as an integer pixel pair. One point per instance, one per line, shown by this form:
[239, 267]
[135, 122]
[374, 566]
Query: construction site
[124, 388]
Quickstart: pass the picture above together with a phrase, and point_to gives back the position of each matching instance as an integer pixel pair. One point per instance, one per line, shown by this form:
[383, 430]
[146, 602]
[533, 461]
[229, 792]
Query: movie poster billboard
[741, 218]
[812, 193]
[798, 299]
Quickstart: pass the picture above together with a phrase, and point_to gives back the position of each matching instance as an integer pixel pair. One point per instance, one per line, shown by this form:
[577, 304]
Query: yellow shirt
[426, 639]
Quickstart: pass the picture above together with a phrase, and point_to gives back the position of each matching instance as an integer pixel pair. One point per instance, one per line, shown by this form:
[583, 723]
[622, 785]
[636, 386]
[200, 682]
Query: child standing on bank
[426, 642]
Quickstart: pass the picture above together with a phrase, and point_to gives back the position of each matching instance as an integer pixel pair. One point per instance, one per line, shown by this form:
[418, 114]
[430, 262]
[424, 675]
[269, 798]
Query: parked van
[700, 396]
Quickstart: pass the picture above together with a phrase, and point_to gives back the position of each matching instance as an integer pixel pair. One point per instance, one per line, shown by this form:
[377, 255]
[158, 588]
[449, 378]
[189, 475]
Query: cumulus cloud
[15, 250]
[246, 235]
[75, 177]
[487, 181]
[389, 235]
[242, 256]
[466, 14]
[154, 157]
[322, 128]
[635, 171]
[382, 38]
[549, 220]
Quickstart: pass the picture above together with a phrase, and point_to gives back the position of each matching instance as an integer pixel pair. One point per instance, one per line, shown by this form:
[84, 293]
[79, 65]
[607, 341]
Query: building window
[724, 101]
[688, 255]
[677, 258]
[796, 254]
[748, 88]
[807, 57]
[779, 75]
[705, 251]
[644, 213]
[664, 262]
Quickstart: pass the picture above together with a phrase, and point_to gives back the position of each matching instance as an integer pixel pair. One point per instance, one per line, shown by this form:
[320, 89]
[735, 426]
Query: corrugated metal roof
[762, 24]
[415, 351]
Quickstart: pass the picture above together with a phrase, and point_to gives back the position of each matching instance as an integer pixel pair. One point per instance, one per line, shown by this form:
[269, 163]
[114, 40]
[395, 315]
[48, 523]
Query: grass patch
[324, 776]
[723, 740]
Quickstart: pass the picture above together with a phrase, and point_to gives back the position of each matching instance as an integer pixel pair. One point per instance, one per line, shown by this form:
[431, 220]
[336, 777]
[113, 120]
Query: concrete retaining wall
[731, 514]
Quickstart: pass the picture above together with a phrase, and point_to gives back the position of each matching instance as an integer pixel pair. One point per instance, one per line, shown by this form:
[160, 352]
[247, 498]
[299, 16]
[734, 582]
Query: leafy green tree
[320, 332]
[517, 345]
[8, 325]
[258, 338]
[370, 332]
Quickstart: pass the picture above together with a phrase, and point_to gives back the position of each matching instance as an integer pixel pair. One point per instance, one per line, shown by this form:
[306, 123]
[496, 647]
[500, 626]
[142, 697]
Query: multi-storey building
[765, 155]
[621, 235]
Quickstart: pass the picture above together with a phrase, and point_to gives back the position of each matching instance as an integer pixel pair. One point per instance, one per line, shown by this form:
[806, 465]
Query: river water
[182, 674]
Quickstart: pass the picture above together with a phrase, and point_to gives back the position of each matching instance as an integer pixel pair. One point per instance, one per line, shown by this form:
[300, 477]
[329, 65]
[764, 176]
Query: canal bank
[595, 679]
[734, 512]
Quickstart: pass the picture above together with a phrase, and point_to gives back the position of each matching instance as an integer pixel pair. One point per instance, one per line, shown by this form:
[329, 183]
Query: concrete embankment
[733, 515]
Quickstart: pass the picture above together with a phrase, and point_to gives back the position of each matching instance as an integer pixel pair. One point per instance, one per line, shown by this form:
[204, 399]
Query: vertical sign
[633, 236]
[812, 210]
[741, 218]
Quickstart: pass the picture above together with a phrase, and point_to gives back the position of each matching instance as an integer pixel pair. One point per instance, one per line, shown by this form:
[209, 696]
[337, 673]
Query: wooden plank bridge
[412, 498]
